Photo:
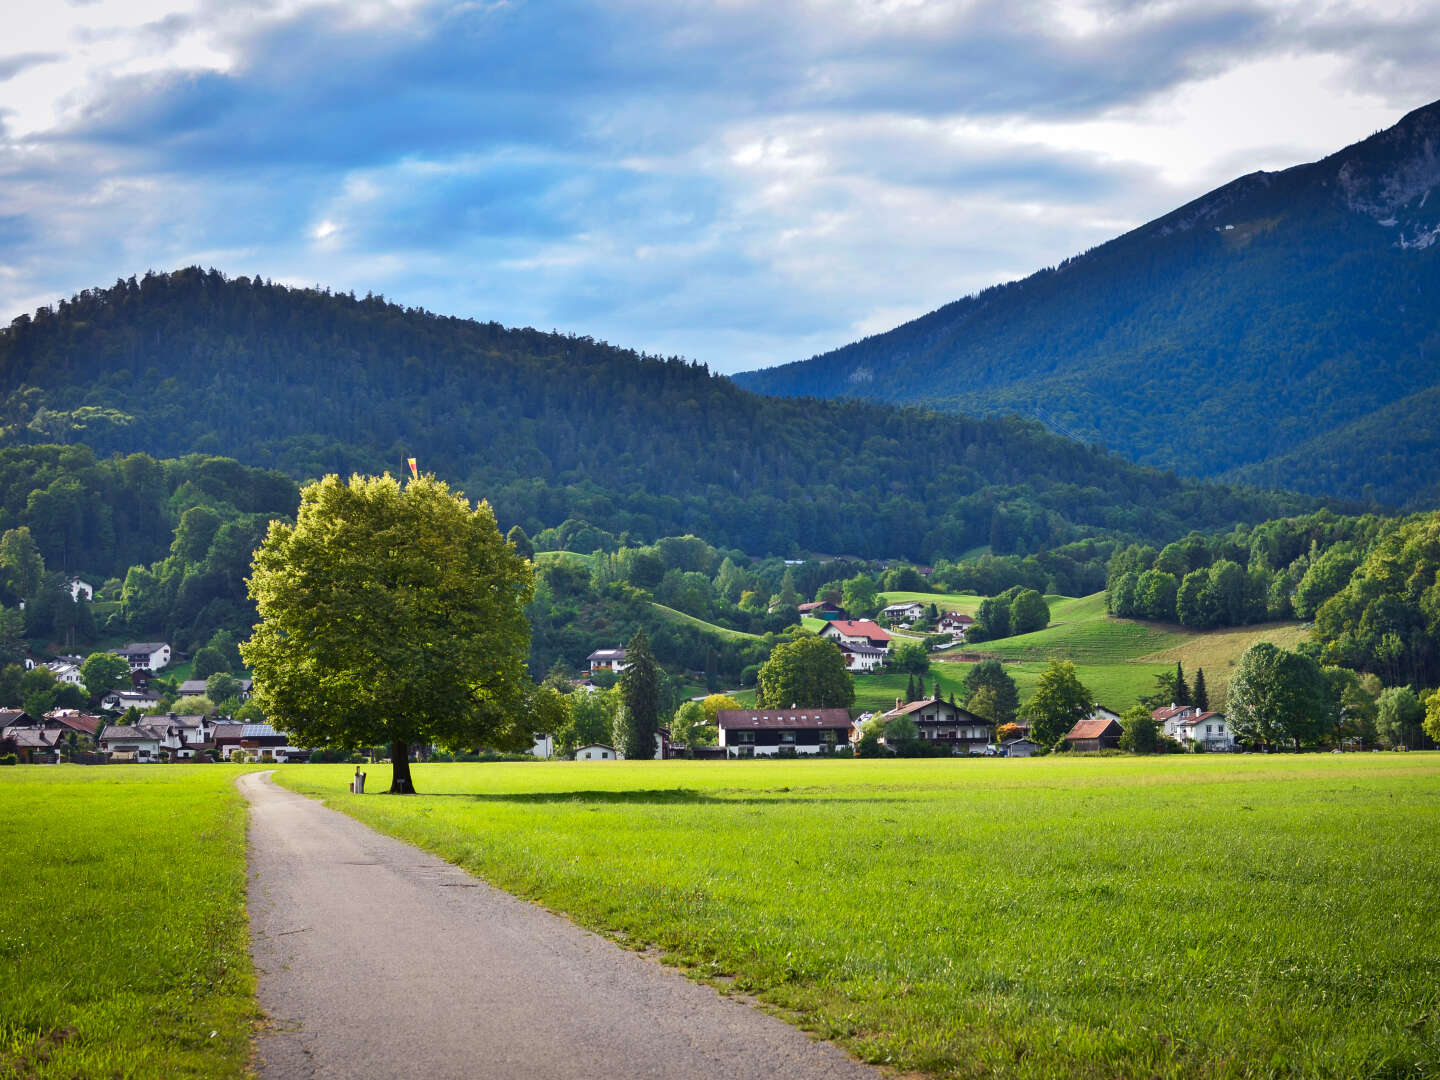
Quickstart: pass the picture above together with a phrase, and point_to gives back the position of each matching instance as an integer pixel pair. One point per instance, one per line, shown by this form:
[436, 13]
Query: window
[827, 737]
[787, 738]
[745, 738]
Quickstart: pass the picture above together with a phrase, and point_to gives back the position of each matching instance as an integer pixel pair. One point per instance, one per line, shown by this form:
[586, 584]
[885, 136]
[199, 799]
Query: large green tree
[1279, 698]
[103, 672]
[809, 672]
[1399, 715]
[1028, 612]
[1000, 701]
[392, 615]
[1060, 701]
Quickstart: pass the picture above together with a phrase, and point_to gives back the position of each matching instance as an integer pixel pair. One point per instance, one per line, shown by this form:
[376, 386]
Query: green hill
[551, 427]
[1282, 329]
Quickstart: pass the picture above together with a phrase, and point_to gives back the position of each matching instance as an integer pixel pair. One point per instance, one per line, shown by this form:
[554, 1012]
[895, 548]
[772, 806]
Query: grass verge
[1101, 917]
[124, 948]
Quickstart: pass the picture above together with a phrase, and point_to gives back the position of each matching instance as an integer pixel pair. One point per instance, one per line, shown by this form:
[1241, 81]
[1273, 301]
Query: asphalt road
[376, 959]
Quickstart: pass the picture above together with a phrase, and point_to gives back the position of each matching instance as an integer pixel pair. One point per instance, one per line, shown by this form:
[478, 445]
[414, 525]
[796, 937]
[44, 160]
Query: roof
[607, 654]
[1168, 712]
[12, 716]
[595, 746]
[1093, 729]
[144, 646]
[227, 731]
[76, 721]
[781, 719]
[957, 616]
[860, 650]
[962, 716]
[1200, 718]
[827, 605]
[861, 628]
[114, 732]
[31, 738]
[904, 605]
[192, 687]
[257, 731]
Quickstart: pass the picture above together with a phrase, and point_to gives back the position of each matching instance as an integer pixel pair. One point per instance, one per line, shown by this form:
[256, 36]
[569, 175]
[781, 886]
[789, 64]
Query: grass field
[1100, 917]
[966, 604]
[1218, 651]
[719, 631]
[1115, 685]
[124, 947]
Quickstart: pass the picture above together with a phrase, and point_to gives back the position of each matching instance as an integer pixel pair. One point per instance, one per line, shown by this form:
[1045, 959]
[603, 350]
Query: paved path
[376, 959]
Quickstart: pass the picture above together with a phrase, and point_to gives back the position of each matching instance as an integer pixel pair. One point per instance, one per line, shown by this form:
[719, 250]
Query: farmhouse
[1172, 718]
[762, 732]
[947, 725]
[65, 671]
[822, 609]
[120, 700]
[905, 612]
[130, 743]
[1099, 734]
[955, 623]
[858, 632]
[607, 660]
[81, 590]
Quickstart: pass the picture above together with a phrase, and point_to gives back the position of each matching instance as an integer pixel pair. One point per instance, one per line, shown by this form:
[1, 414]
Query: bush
[1062, 745]
[9, 759]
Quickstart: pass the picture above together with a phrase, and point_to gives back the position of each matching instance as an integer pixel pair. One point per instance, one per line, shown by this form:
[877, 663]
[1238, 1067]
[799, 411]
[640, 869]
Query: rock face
[1244, 334]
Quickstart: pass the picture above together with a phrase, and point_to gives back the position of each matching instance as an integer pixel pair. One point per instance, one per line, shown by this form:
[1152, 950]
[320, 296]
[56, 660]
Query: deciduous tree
[808, 671]
[392, 615]
[1060, 701]
[103, 672]
[1278, 698]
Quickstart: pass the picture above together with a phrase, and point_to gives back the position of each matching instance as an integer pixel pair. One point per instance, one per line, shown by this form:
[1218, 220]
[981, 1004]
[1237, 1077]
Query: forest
[550, 427]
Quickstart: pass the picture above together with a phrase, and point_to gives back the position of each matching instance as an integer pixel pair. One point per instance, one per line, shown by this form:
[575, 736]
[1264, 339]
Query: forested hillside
[553, 428]
[1256, 332]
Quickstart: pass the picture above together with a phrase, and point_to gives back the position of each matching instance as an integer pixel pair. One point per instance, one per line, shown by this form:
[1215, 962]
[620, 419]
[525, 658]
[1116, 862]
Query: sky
[741, 183]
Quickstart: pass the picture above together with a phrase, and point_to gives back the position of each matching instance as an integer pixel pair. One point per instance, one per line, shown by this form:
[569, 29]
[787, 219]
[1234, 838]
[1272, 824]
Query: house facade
[905, 612]
[607, 660]
[862, 658]
[947, 725]
[145, 655]
[1208, 730]
[954, 623]
[766, 732]
[596, 752]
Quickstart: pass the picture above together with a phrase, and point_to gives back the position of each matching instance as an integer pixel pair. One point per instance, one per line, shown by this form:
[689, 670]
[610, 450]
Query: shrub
[9, 759]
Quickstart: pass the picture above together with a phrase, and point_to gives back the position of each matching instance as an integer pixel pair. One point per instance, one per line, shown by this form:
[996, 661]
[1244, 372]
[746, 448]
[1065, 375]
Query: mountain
[552, 427]
[1257, 332]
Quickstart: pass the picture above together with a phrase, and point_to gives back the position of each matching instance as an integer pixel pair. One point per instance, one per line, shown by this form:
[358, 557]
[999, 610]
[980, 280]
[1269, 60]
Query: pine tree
[787, 590]
[1200, 696]
[640, 691]
[910, 688]
[937, 693]
[1182, 688]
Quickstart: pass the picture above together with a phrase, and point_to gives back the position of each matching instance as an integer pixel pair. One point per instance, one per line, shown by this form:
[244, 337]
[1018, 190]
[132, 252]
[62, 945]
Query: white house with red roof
[1208, 729]
[857, 632]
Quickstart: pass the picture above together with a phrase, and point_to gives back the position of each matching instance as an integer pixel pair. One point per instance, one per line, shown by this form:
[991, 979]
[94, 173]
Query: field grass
[719, 631]
[1218, 651]
[1214, 916]
[966, 604]
[124, 947]
[1115, 685]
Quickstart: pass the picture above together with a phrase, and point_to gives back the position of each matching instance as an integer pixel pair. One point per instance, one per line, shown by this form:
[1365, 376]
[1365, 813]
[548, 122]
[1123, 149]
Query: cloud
[742, 182]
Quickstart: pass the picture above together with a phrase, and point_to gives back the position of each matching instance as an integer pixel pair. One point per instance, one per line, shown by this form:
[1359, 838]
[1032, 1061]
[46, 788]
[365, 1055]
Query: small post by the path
[357, 786]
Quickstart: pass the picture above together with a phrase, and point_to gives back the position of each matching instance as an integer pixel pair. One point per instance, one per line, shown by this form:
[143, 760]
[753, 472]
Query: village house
[197, 688]
[862, 658]
[858, 632]
[130, 743]
[65, 672]
[1171, 718]
[1018, 747]
[120, 700]
[955, 623]
[1100, 733]
[904, 613]
[763, 732]
[145, 655]
[947, 725]
[607, 660]
[261, 742]
[1208, 730]
[81, 590]
[822, 609]
[596, 752]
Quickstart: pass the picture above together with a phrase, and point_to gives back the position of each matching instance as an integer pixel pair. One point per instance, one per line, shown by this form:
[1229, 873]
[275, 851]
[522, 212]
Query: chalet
[955, 623]
[260, 741]
[822, 609]
[1101, 734]
[15, 718]
[120, 700]
[858, 632]
[65, 672]
[1208, 730]
[947, 725]
[81, 590]
[596, 752]
[32, 745]
[607, 660]
[86, 725]
[904, 612]
[145, 655]
[762, 732]
[130, 743]
[1102, 713]
[861, 657]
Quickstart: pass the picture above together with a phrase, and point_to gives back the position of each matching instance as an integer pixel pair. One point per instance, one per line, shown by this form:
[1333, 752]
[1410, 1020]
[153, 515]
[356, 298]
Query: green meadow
[124, 947]
[1093, 917]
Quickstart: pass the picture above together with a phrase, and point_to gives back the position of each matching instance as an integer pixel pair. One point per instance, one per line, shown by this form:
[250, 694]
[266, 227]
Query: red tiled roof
[781, 719]
[1092, 729]
[861, 628]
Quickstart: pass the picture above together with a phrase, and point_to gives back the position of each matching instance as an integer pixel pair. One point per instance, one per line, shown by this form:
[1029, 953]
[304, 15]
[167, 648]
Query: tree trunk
[400, 783]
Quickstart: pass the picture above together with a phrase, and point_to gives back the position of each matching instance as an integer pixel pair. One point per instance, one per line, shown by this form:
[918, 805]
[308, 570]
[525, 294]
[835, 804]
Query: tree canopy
[1060, 701]
[1279, 698]
[391, 615]
[809, 672]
